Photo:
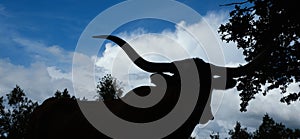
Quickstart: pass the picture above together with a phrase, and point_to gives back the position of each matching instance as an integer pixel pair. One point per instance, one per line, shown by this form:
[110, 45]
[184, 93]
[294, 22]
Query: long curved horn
[233, 72]
[137, 59]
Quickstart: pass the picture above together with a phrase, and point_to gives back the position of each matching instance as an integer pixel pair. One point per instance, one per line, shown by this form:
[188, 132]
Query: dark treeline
[268, 129]
[16, 109]
[266, 28]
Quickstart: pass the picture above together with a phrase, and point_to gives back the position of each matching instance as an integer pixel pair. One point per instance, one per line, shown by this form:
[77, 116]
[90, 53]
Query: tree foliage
[15, 111]
[239, 132]
[16, 108]
[268, 31]
[267, 130]
[108, 88]
[65, 94]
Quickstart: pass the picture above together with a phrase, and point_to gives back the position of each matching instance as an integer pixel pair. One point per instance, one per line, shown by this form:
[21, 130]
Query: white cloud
[83, 76]
[169, 46]
[39, 51]
[35, 80]
[41, 79]
[3, 11]
[55, 50]
[48, 72]
[172, 45]
[229, 113]
[56, 73]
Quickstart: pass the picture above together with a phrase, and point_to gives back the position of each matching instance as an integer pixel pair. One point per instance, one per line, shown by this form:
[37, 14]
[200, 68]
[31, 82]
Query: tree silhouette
[239, 132]
[15, 111]
[61, 117]
[270, 28]
[267, 130]
[65, 94]
[108, 88]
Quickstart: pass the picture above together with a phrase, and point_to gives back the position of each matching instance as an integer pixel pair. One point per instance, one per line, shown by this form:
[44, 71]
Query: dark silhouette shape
[239, 132]
[266, 130]
[108, 89]
[61, 118]
[257, 25]
[15, 110]
[58, 118]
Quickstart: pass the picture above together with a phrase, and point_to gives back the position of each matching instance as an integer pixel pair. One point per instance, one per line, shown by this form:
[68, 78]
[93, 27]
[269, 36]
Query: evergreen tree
[15, 111]
[268, 129]
[65, 94]
[108, 88]
[239, 132]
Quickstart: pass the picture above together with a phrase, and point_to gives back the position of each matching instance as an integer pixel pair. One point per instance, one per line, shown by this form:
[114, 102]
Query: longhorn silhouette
[61, 118]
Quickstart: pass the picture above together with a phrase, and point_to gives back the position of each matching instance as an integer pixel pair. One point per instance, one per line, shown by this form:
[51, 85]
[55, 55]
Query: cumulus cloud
[84, 77]
[49, 71]
[176, 45]
[36, 81]
[40, 51]
[56, 73]
[46, 75]
[187, 41]
[228, 113]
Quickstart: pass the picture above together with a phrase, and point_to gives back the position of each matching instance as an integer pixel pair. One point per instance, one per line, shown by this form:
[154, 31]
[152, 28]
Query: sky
[41, 41]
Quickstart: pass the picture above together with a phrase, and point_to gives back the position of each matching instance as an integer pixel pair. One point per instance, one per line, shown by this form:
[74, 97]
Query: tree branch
[234, 3]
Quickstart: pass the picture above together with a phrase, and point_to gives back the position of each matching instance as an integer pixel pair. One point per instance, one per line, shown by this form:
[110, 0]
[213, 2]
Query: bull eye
[168, 73]
[216, 76]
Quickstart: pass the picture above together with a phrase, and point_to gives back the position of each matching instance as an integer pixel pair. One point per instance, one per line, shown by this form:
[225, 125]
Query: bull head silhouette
[202, 111]
[62, 118]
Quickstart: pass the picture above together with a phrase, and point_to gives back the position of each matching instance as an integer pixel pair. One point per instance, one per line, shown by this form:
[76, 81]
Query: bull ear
[218, 83]
[137, 59]
[231, 74]
[235, 72]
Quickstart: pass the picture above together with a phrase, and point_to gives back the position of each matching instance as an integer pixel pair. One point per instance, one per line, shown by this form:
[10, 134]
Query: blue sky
[59, 22]
[38, 40]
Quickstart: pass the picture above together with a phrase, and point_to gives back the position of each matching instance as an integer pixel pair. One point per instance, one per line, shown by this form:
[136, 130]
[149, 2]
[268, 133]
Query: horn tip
[101, 36]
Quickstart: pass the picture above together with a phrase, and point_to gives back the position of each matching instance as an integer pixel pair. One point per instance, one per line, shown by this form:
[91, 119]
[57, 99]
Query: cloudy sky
[39, 40]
